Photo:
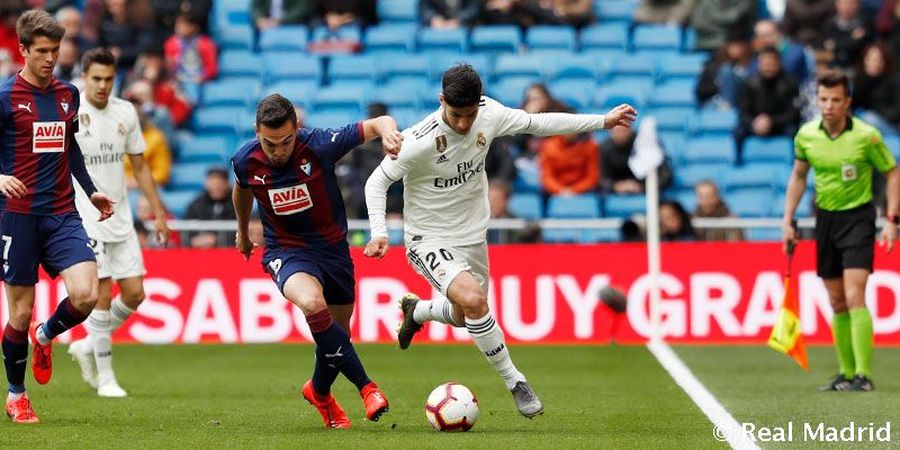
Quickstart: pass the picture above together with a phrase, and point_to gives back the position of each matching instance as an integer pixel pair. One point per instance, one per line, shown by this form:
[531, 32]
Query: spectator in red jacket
[191, 56]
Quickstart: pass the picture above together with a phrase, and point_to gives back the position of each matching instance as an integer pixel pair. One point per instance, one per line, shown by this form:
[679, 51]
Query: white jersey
[105, 137]
[445, 185]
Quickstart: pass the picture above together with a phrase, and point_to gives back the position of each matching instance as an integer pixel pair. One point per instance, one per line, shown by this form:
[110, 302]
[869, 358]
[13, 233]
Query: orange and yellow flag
[786, 334]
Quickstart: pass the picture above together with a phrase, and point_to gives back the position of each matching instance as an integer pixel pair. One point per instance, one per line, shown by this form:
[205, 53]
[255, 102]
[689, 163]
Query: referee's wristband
[894, 219]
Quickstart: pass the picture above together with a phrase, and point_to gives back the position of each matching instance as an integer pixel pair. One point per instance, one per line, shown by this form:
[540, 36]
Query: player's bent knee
[310, 304]
[84, 298]
[474, 303]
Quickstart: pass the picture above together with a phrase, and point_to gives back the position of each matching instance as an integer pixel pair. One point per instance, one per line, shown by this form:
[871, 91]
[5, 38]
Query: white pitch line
[715, 412]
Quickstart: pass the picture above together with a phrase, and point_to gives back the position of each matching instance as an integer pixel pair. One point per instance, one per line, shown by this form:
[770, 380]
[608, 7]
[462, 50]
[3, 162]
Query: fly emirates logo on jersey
[48, 137]
[290, 200]
[465, 171]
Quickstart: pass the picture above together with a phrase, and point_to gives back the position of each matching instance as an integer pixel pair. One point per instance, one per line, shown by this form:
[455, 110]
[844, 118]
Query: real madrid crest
[440, 143]
[121, 129]
[84, 122]
[481, 142]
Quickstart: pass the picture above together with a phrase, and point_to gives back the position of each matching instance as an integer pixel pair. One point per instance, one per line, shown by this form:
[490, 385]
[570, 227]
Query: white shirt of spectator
[105, 137]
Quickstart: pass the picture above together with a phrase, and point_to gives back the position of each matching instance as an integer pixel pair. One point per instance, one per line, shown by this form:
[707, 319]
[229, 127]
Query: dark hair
[190, 17]
[687, 229]
[218, 171]
[461, 86]
[99, 55]
[274, 110]
[553, 103]
[35, 23]
[769, 50]
[832, 78]
[377, 109]
[885, 55]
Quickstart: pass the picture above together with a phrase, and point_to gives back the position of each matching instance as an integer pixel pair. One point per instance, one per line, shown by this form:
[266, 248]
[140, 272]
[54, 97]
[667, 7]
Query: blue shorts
[332, 266]
[55, 242]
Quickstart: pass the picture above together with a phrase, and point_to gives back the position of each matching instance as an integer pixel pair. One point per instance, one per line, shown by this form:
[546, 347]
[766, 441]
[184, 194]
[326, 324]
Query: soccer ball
[451, 407]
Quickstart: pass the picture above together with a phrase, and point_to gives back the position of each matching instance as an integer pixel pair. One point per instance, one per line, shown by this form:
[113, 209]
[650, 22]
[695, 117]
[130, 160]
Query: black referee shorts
[845, 240]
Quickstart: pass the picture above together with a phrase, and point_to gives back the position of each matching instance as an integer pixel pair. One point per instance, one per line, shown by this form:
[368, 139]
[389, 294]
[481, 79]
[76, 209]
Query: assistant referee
[844, 150]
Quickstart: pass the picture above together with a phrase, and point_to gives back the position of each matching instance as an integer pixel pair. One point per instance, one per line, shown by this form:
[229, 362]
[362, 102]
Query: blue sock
[334, 347]
[15, 357]
[65, 317]
[324, 373]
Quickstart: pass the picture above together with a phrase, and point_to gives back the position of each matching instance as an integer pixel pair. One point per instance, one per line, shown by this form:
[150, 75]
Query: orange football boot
[20, 410]
[41, 357]
[332, 413]
[375, 401]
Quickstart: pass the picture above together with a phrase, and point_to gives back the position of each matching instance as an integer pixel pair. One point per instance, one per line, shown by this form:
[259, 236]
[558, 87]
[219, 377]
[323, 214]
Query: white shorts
[440, 264]
[119, 260]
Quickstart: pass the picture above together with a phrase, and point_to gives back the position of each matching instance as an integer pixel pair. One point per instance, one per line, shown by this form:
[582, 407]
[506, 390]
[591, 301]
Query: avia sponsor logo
[48, 137]
[465, 171]
[290, 200]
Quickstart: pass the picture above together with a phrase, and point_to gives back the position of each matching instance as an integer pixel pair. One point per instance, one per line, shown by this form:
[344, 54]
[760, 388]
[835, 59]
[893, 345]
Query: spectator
[157, 155]
[804, 19]
[152, 68]
[144, 213]
[140, 92]
[335, 14]
[725, 72]
[70, 18]
[11, 59]
[715, 20]
[809, 109]
[710, 204]
[537, 100]
[674, 222]
[616, 173]
[504, 12]
[214, 203]
[68, 65]
[190, 56]
[847, 33]
[669, 12]
[499, 164]
[124, 30]
[558, 12]
[445, 14]
[272, 13]
[877, 89]
[793, 57]
[166, 13]
[769, 100]
[569, 164]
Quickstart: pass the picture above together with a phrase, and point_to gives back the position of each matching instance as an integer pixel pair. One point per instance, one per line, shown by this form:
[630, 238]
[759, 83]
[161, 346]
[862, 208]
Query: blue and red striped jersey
[300, 203]
[37, 129]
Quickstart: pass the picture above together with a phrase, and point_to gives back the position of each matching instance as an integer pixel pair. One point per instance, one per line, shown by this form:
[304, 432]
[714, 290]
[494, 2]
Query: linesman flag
[786, 335]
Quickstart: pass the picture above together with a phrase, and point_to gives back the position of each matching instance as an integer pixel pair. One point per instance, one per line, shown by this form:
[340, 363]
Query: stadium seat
[574, 93]
[615, 11]
[440, 61]
[410, 67]
[352, 67]
[656, 37]
[624, 205]
[240, 63]
[687, 176]
[396, 95]
[525, 205]
[496, 39]
[431, 39]
[689, 42]
[759, 175]
[346, 39]
[393, 11]
[349, 99]
[681, 66]
[569, 67]
[633, 65]
[331, 119]
[768, 149]
[605, 36]
[298, 92]
[584, 206]
[204, 149]
[517, 66]
[804, 208]
[710, 150]
[528, 179]
[285, 38]
[754, 202]
[391, 37]
[673, 143]
[177, 201]
[220, 119]
[673, 120]
[685, 197]
[187, 176]
[674, 93]
[281, 66]
[510, 92]
[713, 122]
[893, 144]
[227, 92]
[428, 98]
[236, 38]
[550, 37]
[623, 90]
[763, 234]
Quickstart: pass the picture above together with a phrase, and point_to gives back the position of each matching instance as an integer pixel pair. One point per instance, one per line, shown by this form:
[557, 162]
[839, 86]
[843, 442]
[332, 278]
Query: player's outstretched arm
[796, 187]
[516, 121]
[145, 182]
[384, 127]
[243, 206]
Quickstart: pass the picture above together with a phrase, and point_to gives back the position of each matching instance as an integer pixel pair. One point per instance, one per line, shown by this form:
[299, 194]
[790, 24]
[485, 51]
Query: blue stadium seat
[561, 235]
[204, 149]
[763, 234]
[352, 67]
[410, 67]
[759, 175]
[624, 205]
[453, 40]
[406, 117]
[570, 67]
[750, 202]
[236, 38]
[428, 98]
[685, 197]
[615, 11]
[285, 38]
[517, 66]
[439, 62]
[710, 122]
[510, 92]
[281, 66]
[551, 37]
[240, 63]
[687, 176]
[605, 36]
[710, 150]
[404, 11]
[768, 149]
[216, 119]
[893, 144]
[634, 65]
[690, 39]
[574, 93]
[584, 206]
[345, 98]
[681, 66]
[188, 176]
[177, 201]
[496, 39]
[623, 90]
[396, 95]
[244, 126]
[674, 93]
[525, 205]
[673, 144]
[228, 92]
[298, 92]
[804, 208]
[334, 119]
[528, 179]
[656, 37]
[391, 37]
[674, 120]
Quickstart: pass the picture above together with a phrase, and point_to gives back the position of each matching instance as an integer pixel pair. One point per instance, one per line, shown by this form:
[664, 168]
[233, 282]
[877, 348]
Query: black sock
[334, 348]
[15, 357]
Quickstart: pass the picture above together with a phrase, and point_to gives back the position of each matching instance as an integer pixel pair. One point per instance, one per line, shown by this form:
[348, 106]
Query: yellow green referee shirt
[843, 165]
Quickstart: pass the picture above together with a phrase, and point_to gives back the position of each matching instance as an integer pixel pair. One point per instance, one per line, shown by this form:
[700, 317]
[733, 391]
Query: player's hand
[377, 247]
[620, 116]
[11, 187]
[162, 229]
[244, 245]
[788, 235]
[104, 204]
[888, 236]
[391, 143]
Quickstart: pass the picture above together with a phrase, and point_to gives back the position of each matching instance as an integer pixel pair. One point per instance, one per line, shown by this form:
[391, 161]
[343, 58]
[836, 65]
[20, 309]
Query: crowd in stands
[762, 60]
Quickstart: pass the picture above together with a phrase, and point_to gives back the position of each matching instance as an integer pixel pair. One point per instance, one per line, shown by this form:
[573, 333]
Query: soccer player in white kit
[446, 210]
[109, 132]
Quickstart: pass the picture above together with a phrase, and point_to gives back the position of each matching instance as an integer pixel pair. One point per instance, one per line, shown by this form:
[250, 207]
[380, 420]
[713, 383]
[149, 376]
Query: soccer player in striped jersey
[446, 211]
[108, 132]
[290, 172]
[38, 221]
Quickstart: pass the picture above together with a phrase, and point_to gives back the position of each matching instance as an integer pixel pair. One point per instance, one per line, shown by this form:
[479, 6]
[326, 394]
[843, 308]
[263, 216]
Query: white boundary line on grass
[725, 425]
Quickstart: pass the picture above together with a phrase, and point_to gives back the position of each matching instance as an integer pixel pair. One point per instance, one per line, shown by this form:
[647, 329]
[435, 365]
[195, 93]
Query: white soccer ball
[451, 407]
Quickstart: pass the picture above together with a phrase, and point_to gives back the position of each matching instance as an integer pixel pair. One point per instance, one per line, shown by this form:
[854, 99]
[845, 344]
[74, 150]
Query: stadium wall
[712, 292]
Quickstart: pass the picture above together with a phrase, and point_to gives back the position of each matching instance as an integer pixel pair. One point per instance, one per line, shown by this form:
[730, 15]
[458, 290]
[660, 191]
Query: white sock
[489, 339]
[119, 313]
[10, 397]
[98, 324]
[42, 336]
[438, 309]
